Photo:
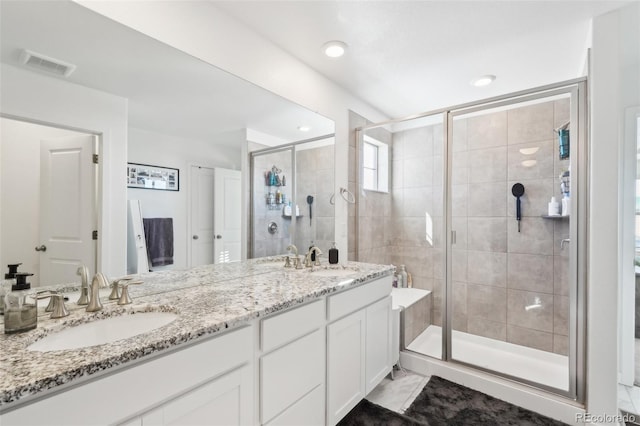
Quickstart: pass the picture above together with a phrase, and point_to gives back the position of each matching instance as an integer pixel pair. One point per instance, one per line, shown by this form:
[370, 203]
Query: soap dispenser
[313, 253]
[333, 254]
[20, 306]
[5, 285]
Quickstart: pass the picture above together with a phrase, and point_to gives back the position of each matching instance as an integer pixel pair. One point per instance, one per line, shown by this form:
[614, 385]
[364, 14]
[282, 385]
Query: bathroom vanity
[251, 343]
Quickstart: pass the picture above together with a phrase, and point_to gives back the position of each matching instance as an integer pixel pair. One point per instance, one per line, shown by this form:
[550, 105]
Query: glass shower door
[272, 191]
[512, 288]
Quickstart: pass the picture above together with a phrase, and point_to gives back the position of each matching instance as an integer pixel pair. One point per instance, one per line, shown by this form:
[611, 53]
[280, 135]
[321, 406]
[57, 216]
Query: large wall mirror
[77, 84]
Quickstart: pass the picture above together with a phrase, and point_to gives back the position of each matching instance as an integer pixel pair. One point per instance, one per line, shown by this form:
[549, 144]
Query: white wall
[147, 147]
[614, 86]
[20, 192]
[50, 100]
[204, 31]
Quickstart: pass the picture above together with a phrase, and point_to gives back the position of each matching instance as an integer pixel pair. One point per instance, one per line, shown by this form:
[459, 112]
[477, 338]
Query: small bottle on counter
[333, 254]
[402, 273]
[20, 306]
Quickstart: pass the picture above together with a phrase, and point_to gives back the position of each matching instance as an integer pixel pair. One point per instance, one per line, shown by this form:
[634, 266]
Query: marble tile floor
[398, 394]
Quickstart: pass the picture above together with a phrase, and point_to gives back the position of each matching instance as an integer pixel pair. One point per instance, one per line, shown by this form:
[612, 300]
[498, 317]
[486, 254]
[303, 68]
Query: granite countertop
[207, 300]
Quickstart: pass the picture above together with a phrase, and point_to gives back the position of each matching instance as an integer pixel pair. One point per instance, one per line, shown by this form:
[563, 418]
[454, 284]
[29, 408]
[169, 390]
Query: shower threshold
[530, 364]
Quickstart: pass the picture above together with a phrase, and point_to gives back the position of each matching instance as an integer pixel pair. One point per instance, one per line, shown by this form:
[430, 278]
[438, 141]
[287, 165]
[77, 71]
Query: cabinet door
[378, 338]
[346, 369]
[222, 401]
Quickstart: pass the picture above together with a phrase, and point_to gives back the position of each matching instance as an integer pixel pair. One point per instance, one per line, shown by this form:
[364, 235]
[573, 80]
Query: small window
[375, 165]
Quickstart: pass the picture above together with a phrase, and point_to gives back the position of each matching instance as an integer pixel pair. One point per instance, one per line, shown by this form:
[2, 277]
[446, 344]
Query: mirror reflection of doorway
[48, 193]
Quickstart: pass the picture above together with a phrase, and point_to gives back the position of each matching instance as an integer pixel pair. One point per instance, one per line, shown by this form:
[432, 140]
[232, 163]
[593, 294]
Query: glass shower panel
[509, 288]
[405, 226]
[314, 187]
[271, 193]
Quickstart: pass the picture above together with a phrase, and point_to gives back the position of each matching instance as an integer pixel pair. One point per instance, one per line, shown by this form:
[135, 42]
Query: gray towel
[158, 233]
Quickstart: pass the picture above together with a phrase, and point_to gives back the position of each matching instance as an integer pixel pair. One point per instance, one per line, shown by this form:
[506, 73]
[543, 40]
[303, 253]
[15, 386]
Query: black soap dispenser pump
[333, 254]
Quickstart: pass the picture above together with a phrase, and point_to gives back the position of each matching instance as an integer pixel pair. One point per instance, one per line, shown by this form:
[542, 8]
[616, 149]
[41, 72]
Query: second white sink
[103, 331]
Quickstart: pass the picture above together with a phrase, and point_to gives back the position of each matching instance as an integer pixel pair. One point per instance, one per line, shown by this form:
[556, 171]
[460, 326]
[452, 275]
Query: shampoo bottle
[554, 207]
[402, 277]
[566, 205]
[333, 254]
[20, 306]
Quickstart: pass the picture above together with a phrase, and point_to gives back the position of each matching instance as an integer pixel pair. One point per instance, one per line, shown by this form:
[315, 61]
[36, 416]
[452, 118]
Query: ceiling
[168, 91]
[405, 57]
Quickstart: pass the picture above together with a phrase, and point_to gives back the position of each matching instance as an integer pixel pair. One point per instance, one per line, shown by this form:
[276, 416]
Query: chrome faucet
[99, 281]
[83, 271]
[307, 258]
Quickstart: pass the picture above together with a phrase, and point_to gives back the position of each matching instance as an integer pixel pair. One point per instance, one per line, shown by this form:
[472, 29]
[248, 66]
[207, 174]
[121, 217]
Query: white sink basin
[103, 331]
[333, 272]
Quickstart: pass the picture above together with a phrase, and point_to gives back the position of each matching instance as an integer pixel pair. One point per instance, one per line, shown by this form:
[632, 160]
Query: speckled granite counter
[207, 299]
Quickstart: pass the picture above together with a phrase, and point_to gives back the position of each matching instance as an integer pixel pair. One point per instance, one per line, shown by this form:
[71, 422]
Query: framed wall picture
[145, 176]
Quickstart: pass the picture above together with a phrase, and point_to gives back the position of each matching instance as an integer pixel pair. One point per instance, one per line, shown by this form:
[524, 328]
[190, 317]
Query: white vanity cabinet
[358, 345]
[208, 382]
[292, 366]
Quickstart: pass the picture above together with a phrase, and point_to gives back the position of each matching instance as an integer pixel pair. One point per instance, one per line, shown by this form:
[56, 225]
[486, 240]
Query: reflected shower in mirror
[147, 103]
[292, 205]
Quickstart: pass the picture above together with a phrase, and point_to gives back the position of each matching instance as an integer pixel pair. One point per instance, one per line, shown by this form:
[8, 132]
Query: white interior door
[202, 235]
[67, 220]
[227, 220]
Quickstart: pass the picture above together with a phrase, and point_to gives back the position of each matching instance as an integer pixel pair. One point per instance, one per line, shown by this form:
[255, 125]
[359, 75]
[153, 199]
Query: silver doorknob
[218, 237]
[195, 237]
[41, 248]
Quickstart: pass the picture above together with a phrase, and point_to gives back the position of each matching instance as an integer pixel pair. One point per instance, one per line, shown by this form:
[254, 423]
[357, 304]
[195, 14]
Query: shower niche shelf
[558, 217]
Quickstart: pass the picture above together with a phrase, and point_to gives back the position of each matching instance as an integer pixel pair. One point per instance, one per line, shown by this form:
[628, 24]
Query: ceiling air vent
[46, 63]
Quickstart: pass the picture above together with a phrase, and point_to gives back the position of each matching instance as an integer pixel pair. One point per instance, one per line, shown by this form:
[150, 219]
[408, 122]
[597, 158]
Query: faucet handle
[56, 303]
[297, 262]
[287, 262]
[115, 286]
[124, 297]
[59, 308]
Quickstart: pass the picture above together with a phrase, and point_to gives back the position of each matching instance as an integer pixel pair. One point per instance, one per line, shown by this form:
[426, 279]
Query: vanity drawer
[290, 325]
[351, 300]
[289, 373]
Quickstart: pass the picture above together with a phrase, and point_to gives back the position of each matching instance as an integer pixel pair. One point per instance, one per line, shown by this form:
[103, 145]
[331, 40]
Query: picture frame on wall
[146, 176]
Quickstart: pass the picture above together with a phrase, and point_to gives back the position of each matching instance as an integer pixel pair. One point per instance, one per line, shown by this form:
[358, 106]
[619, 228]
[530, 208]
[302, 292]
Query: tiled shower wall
[315, 174]
[417, 212]
[498, 271]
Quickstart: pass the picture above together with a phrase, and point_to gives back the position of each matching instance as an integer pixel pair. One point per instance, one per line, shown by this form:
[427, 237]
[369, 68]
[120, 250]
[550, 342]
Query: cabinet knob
[195, 237]
[41, 248]
[218, 237]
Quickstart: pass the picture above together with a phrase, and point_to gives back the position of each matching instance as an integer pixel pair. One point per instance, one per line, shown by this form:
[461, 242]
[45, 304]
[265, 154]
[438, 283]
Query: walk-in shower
[501, 295]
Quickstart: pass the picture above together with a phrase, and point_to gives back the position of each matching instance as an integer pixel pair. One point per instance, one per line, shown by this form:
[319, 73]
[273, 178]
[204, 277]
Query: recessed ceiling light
[304, 128]
[484, 80]
[334, 49]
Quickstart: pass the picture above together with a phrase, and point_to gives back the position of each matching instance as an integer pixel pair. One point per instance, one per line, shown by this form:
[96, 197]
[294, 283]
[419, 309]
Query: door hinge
[94, 235]
[95, 158]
